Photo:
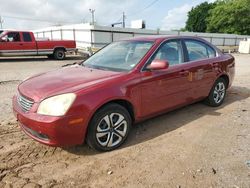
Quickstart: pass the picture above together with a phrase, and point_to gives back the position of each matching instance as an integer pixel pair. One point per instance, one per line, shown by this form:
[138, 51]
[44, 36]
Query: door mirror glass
[158, 64]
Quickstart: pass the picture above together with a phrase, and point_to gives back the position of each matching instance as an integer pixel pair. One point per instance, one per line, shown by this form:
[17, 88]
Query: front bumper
[54, 131]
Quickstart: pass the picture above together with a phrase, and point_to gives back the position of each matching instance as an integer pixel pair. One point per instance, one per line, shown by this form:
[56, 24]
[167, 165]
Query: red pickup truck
[23, 43]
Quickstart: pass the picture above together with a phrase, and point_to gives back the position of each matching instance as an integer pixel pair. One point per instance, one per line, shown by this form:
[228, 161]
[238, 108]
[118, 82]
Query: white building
[94, 36]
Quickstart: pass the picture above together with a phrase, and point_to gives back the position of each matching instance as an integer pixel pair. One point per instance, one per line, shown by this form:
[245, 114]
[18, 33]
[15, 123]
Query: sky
[36, 14]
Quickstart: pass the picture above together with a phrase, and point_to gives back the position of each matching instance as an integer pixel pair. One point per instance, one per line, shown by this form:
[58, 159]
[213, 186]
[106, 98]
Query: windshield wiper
[102, 68]
[70, 64]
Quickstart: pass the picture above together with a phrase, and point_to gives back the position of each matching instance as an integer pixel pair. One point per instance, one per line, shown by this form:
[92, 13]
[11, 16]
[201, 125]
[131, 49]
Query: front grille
[24, 103]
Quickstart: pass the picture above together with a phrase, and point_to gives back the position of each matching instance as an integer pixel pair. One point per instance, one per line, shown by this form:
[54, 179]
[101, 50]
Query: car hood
[68, 79]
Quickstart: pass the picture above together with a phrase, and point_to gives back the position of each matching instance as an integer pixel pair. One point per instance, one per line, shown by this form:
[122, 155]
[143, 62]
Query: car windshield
[119, 56]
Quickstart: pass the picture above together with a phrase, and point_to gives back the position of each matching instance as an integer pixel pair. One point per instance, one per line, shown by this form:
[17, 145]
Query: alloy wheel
[219, 92]
[111, 130]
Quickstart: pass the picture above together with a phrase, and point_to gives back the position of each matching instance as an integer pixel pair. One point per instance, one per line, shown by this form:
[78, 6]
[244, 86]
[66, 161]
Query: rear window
[198, 50]
[27, 37]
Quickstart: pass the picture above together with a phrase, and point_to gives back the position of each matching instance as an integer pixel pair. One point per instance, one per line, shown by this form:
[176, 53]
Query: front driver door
[12, 45]
[165, 89]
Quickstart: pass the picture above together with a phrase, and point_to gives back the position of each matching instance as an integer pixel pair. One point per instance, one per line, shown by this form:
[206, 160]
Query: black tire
[217, 93]
[101, 136]
[59, 54]
[50, 56]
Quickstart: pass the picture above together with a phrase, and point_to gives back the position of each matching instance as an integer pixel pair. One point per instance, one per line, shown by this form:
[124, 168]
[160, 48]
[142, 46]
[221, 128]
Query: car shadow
[37, 59]
[170, 121]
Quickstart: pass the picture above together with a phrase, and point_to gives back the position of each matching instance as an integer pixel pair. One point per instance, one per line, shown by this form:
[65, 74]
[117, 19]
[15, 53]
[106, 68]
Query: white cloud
[61, 11]
[69, 12]
[176, 18]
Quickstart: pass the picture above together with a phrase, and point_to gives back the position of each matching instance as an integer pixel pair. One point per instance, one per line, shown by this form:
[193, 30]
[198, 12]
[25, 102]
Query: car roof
[162, 37]
[12, 30]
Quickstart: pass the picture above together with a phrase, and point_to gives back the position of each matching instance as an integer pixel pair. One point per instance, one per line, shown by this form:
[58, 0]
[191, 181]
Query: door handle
[21, 44]
[184, 72]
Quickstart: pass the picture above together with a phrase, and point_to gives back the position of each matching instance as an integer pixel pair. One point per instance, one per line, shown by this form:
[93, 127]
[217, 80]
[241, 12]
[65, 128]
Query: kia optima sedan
[126, 82]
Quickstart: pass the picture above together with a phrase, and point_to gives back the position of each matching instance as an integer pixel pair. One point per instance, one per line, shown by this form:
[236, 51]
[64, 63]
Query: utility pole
[120, 23]
[1, 22]
[92, 11]
[123, 19]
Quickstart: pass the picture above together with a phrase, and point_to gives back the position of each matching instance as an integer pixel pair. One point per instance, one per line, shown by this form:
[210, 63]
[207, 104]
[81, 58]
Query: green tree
[197, 17]
[230, 16]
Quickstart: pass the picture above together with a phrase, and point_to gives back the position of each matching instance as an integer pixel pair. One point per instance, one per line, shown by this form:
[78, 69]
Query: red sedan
[125, 82]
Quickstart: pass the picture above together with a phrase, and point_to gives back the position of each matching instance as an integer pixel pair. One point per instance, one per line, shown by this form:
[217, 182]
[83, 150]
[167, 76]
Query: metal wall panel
[98, 36]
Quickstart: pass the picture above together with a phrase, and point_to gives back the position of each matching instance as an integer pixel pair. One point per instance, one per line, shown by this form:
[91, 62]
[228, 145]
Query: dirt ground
[196, 146]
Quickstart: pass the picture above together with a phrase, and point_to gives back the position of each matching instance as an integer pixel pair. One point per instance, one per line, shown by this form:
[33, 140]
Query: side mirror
[158, 64]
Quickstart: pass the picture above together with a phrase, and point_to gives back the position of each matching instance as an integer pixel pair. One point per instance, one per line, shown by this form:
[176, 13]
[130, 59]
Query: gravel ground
[195, 146]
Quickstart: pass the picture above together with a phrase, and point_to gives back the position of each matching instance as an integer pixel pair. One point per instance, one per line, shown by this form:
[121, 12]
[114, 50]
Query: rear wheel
[217, 93]
[59, 54]
[109, 128]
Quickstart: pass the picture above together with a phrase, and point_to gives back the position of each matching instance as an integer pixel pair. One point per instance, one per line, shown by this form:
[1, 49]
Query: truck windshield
[119, 56]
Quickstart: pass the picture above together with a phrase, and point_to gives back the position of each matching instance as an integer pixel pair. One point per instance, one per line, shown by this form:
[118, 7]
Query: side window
[211, 52]
[13, 37]
[27, 37]
[170, 51]
[198, 50]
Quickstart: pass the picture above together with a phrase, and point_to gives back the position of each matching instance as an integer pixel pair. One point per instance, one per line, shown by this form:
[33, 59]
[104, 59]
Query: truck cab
[14, 43]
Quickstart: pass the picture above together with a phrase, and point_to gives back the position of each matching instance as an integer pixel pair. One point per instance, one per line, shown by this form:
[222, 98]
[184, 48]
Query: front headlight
[56, 105]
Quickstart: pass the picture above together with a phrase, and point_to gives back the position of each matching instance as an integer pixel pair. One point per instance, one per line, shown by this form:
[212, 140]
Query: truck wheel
[108, 128]
[59, 54]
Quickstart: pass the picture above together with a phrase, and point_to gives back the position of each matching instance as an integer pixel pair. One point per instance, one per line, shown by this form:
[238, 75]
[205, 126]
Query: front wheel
[109, 128]
[217, 93]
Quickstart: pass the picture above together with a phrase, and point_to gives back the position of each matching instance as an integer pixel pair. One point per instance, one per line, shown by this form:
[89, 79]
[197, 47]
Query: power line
[72, 22]
[138, 12]
[120, 19]
[146, 7]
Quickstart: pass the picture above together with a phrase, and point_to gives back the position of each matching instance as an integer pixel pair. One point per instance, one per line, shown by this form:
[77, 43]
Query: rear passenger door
[202, 66]
[28, 45]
